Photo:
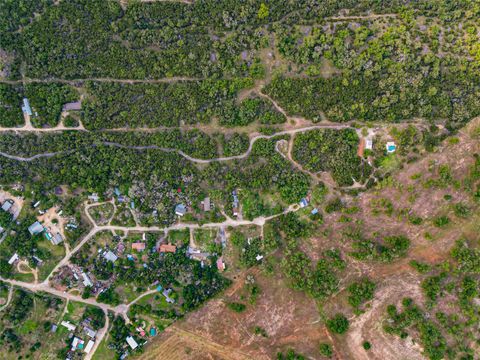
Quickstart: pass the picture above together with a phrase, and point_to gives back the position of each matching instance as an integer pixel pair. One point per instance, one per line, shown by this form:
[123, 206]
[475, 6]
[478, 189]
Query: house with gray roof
[36, 228]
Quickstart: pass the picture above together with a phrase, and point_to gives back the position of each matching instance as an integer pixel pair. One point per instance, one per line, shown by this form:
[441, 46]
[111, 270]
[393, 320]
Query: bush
[326, 350]
[360, 292]
[367, 345]
[338, 324]
[441, 221]
[237, 307]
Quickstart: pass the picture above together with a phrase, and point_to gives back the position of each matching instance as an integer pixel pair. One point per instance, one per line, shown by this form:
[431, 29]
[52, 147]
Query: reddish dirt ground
[293, 320]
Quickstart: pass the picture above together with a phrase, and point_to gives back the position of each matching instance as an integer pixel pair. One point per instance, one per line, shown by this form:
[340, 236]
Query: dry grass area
[178, 344]
[293, 320]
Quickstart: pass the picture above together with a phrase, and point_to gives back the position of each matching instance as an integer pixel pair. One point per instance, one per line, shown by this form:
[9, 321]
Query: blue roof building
[303, 203]
[26, 107]
[180, 210]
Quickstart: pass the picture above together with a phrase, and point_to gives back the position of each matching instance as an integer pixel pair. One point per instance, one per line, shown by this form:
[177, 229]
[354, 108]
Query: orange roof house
[168, 248]
[138, 246]
[361, 147]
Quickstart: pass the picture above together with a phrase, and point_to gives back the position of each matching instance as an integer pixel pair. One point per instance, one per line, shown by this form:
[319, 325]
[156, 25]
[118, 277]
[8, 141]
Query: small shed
[206, 204]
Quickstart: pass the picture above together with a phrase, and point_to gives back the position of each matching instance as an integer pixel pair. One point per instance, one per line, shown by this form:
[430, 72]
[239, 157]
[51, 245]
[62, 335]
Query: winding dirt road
[180, 152]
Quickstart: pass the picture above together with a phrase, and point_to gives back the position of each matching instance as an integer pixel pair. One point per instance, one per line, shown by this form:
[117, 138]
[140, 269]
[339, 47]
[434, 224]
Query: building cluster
[82, 336]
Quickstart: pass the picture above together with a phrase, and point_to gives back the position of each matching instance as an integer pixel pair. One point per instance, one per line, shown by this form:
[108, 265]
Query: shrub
[237, 307]
[441, 221]
[338, 324]
[360, 292]
[326, 350]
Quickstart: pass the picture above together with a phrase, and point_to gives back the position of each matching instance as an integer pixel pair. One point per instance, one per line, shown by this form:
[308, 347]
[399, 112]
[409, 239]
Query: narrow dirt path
[123, 81]
[9, 298]
[180, 152]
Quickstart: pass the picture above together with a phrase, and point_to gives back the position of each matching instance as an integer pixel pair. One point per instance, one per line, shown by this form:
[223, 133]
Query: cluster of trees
[331, 150]
[433, 341]
[387, 249]
[250, 109]
[10, 106]
[234, 144]
[444, 331]
[85, 38]
[360, 292]
[47, 100]
[385, 75]
[17, 14]
[116, 105]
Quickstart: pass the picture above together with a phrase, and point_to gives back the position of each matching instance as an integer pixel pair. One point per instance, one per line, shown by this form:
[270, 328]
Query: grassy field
[57, 252]
[179, 237]
[204, 237]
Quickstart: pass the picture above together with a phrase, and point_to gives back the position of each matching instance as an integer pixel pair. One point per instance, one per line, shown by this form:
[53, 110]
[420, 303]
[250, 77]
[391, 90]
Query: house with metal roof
[180, 210]
[89, 346]
[167, 248]
[110, 256]
[57, 239]
[7, 205]
[36, 228]
[26, 107]
[139, 246]
[131, 342]
[72, 106]
[14, 258]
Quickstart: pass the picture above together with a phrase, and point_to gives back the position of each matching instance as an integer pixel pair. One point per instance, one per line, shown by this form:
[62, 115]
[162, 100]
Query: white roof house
[89, 346]
[131, 341]
[14, 258]
[68, 325]
[90, 332]
[110, 256]
[86, 280]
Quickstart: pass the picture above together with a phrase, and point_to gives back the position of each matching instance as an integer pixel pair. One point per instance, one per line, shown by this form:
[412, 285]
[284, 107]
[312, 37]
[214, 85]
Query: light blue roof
[180, 209]
[26, 107]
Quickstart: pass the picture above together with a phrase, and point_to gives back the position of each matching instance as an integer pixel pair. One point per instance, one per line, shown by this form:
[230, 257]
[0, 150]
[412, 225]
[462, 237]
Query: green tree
[338, 324]
[263, 11]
